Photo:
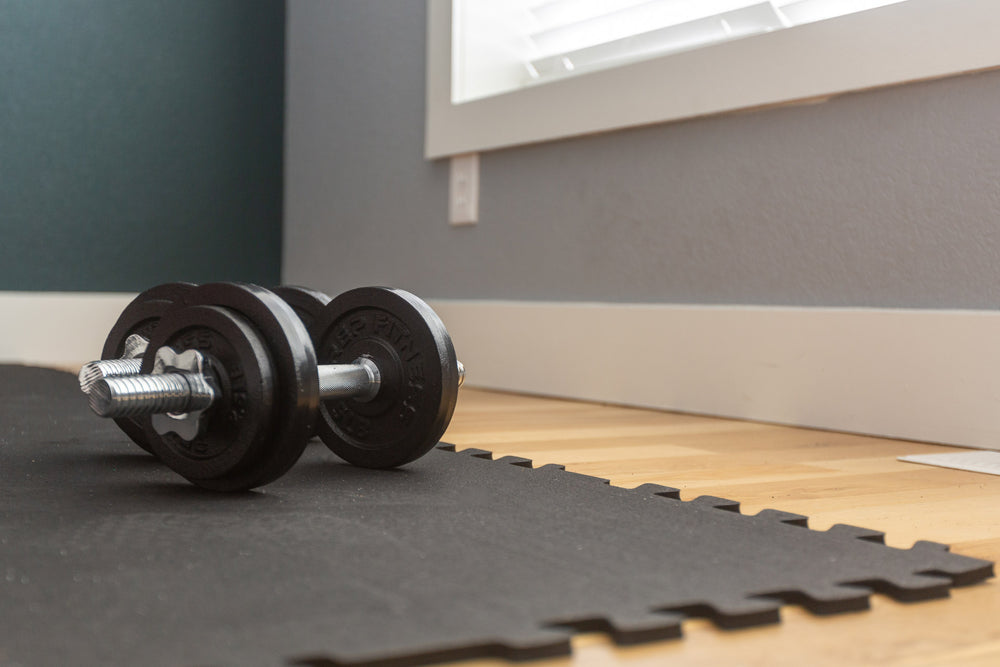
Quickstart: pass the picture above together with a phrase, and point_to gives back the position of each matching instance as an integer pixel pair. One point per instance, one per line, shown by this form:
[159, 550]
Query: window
[521, 71]
[498, 47]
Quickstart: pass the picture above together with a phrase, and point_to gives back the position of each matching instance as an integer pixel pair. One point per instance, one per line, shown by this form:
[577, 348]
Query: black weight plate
[296, 384]
[305, 301]
[141, 314]
[236, 430]
[139, 317]
[166, 292]
[413, 351]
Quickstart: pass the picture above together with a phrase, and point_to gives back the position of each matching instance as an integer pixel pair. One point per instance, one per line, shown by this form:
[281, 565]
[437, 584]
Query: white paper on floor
[976, 461]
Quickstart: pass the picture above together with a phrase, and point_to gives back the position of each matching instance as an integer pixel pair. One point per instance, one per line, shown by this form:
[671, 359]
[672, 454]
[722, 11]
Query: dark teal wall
[140, 142]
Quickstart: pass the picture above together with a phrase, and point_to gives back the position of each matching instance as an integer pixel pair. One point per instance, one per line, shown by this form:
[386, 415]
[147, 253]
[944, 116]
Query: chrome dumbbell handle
[359, 380]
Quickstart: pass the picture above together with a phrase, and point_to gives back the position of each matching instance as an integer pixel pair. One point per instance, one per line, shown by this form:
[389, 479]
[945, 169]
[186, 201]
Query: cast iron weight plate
[237, 427]
[296, 383]
[174, 291]
[140, 317]
[419, 384]
[307, 304]
[305, 301]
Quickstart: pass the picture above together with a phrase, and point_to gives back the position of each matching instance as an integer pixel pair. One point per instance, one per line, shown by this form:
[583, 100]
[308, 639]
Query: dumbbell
[128, 339]
[230, 386]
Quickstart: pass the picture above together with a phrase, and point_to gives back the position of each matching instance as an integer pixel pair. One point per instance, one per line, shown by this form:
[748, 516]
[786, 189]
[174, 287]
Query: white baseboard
[60, 329]
[931, 375]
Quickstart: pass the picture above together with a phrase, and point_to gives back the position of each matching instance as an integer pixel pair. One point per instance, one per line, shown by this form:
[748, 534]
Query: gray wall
[140, 142]
[887, 198]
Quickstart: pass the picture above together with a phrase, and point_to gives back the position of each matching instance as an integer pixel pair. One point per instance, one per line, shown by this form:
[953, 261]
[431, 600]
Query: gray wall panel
[140, 141]
[886, 198]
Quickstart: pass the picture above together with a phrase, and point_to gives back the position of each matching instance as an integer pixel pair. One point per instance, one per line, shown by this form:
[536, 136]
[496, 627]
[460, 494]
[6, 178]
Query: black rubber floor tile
[108, 558]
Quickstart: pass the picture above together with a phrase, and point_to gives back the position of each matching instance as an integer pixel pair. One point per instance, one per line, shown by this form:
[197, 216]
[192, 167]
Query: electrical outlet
[463, 205]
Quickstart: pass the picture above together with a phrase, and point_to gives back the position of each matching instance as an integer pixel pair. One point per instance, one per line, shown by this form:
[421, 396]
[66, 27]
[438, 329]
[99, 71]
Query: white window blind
[508, 72]
[503, 46]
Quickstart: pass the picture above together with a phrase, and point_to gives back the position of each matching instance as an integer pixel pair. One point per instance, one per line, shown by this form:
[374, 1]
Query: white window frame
[908, 41]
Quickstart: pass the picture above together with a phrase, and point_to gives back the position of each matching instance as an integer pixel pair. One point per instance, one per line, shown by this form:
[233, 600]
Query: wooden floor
[830, 477]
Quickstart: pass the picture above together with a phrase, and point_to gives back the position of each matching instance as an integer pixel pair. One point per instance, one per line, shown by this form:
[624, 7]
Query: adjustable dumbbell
[230, 386]
[128, 339]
